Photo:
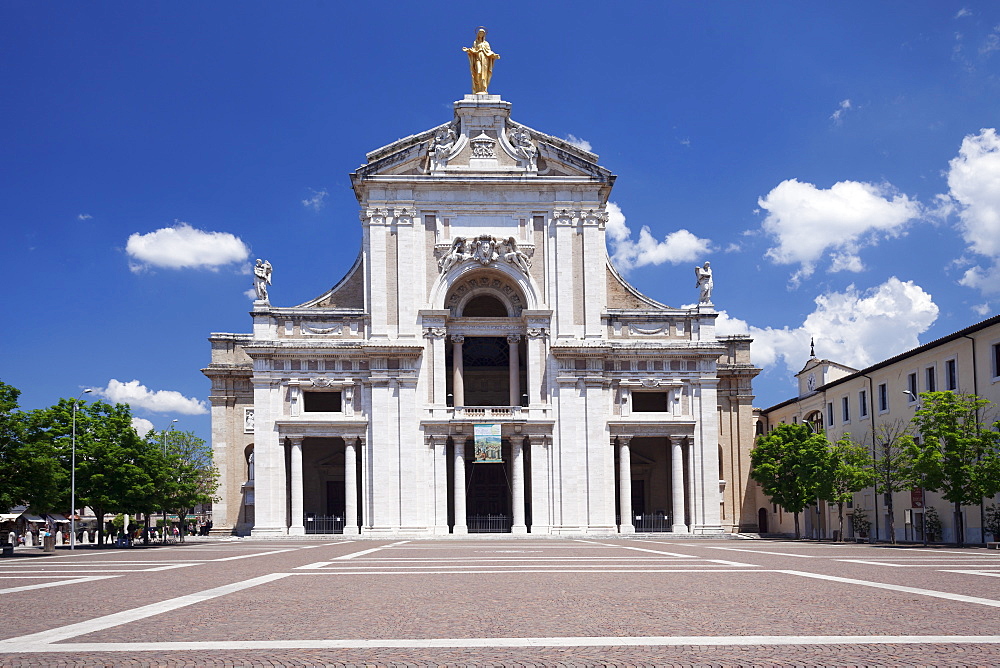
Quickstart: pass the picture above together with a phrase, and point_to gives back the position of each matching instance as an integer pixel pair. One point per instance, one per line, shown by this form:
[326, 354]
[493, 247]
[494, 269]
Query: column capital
[513, 339]
[458, 339]
[295, 439]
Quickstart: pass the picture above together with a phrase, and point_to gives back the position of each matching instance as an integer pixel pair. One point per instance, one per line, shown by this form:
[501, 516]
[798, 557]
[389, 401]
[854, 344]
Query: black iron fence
[649, 522]
[324, 524]
[489, 523]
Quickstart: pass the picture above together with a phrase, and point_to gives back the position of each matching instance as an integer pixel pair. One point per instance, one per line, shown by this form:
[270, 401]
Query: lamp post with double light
[923, 491]
[172, 422]
[72, 476]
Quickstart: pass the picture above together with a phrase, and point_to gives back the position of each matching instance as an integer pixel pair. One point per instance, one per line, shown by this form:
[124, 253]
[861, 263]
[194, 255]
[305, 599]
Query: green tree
[188, 476]
[791, 464]
[956, 457]
[112, 473]
[993, 521]
[849, 471]
[893, 464]
[12, 448]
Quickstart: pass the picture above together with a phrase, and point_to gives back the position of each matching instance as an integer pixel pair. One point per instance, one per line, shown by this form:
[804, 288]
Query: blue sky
[837, 163]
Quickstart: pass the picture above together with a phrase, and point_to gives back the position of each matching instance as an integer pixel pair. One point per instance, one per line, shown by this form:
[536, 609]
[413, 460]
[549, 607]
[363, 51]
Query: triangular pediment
[482, 140]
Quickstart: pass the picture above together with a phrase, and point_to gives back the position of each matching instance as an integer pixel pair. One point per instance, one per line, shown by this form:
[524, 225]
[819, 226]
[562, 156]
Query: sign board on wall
[487, 443]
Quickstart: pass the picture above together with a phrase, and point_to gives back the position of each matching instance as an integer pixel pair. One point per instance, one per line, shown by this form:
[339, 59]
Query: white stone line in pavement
[743, 549]
[885, 563]
[962, 598]
[490, 643]
[686, 556]
[133, 615]
[990, 574]
[248, 556]
[77, 571]
[369, 551]
[44, 585]
[512, 567]
[631, 571]
[642, 549]
[489, 560]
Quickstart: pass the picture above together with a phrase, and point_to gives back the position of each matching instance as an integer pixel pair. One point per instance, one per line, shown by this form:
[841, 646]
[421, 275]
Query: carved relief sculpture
[515, 256]
[444, 142]
[261, 278]
[704, 283]
[484, 249]
[481, 59]
[524, 147]
[455, 256]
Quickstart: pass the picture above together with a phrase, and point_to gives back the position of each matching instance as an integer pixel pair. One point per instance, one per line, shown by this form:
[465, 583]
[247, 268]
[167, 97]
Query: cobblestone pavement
[521, 602]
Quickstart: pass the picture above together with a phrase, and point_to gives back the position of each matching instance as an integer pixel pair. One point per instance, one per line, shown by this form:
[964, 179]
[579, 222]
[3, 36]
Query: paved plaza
[502, 602]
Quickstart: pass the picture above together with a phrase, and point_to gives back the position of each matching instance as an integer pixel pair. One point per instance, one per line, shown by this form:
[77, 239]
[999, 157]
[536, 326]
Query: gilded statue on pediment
[481, 59]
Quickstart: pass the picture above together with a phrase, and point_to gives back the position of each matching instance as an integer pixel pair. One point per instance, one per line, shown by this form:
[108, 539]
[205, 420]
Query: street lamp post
[72, 476]
[164, 528]
[923, 490]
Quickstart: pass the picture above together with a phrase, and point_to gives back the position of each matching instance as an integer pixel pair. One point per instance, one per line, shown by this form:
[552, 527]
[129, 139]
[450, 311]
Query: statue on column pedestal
[704, 283]
[261, 278]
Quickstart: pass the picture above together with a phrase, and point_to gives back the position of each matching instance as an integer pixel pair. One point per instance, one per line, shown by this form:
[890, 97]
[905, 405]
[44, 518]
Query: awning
[6, 517]
[34, 518]
[56, 517]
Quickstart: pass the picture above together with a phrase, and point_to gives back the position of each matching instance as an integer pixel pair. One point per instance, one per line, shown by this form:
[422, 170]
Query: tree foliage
[956, 457]
[849, 470]
[893, 464]
[791, 464]
[117, 471]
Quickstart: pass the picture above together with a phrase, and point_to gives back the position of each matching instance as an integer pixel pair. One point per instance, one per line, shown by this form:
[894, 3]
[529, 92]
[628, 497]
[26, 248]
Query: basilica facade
[482, 366]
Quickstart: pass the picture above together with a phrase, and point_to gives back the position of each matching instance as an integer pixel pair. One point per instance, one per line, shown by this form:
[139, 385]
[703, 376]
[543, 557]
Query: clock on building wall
[811, 382]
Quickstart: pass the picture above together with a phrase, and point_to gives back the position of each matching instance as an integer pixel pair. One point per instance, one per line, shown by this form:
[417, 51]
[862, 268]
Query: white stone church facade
[483, 301]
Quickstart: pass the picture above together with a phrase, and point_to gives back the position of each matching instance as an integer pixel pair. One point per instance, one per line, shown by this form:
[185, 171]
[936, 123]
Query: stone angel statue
[455, 256]
[261, 278]
[704, 283]
[516, 256]
[525, 148]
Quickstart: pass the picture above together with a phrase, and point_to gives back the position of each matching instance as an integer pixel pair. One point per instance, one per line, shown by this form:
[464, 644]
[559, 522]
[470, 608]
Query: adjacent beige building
[838, 399]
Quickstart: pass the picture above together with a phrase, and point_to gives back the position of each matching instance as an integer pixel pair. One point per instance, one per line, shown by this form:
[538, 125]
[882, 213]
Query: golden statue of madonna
[481, 59]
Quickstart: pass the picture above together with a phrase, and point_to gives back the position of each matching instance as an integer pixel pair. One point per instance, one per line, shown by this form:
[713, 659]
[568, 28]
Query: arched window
[485, 306]
[815, 419]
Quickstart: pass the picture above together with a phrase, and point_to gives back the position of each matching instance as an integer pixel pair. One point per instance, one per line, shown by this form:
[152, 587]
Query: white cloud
[974, 182]
[846, 261]
[137, 395]
[142, 426]
[628, 253]
[964, 11]
[982, 309]
[987, 280]
[838, 116]
[851, 327]
[184, 247]
[84, 216]
[807, 222]
[974, 192]
[250, 294]
[317, 201]
[579, 143]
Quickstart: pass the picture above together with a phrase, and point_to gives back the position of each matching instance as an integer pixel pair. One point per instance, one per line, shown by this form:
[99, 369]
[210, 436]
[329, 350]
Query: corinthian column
[625, 485]
[350, 486]
[296, 528]
[515, 370]
[517, 484]
[458, 374]
[459, 486]
[677, 485]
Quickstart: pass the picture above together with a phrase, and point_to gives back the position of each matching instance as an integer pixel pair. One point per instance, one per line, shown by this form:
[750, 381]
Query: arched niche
[489, 294]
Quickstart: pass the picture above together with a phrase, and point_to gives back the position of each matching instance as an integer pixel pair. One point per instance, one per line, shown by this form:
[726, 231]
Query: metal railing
[324, 524]
[489, 523]
[649, 522]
